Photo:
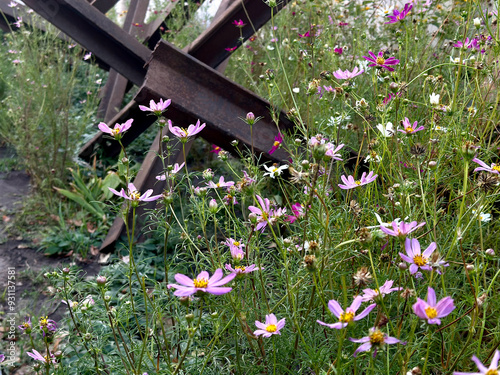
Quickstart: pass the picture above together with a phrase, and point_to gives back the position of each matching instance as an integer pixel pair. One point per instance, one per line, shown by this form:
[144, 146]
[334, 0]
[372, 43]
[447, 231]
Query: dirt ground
[20, 260]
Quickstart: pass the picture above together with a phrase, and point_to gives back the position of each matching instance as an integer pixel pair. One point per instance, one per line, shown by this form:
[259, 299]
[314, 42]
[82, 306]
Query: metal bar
[103, 5]
[95, 32]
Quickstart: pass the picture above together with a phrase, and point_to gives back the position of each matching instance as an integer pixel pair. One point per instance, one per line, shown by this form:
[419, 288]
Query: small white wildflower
[274, 170]
[387, 130]
[434, 98]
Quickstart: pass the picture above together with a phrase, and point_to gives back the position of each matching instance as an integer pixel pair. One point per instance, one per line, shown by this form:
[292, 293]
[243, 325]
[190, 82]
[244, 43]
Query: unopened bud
[189, 317]
[490, 252]
[432, 164]
[213, 206]
[469, 267]
[402, 266]
[101, 280]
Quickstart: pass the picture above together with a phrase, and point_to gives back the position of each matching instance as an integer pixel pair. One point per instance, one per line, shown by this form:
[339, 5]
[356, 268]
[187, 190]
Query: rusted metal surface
[95, 32]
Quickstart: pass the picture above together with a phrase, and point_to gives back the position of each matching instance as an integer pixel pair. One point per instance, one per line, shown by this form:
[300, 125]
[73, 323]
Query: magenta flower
[350, 183]
[240, 24]
[270, 327]
[376, 339]
[278, 140]
[338, 50]
[241, 270]
[117, 130]
[134, 195]
[492, 370]
[432, 311]
[347, 316]
[38, 357]
[216, 149]
[415, 257]
[399, 16]
[184, 134]
[400, 229]
[171, 170]
[306, 35]
[465, 44]
[495, 168]
[202, 283]
[380, 62]
[298, 211]
[372, 294]
[339, 74]
[409, 128]
[331, 151]
[156, 108]
[231, 49]
[220, 184]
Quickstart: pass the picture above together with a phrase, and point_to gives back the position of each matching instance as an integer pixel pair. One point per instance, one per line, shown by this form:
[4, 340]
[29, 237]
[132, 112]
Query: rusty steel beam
[207, 48]
[95, 32]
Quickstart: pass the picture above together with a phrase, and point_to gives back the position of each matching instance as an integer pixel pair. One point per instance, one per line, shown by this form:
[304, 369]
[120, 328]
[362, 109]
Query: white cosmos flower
[274, 170]
[434, 99]
[387, 130]
[484, 217]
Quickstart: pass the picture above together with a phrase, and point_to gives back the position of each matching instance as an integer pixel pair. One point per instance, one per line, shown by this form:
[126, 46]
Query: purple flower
[220, 184]
[156, 108]
[495, 168]
[171, 170]
[241, 270]
[350, 183]
[270, 327]
[47, 325]
[339, 74]
[415, 257]
[202, 283]
[26, 326]
[432, 311]
[372, 294]
[492, 370]
[400, 229]
[134, 195]
[216, 149]
[380, 62]
[38, 357]
[264, 214]
[236, 248]
[331, 151]
[409, 128]
[240, 24]
[399, 16]
[278, 140]
[117, 130]
[347, 316]
[19, 22]
[184, 134]
[375, 339]
[465, 44]
[298, 211]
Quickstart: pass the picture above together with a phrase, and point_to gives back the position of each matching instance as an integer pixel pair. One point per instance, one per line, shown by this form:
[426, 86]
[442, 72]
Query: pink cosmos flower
[38, 357]
[236, 248]
[400, 229]
[117, 130]
[432, 311]
[380, 62]
[415, 257]
[278, 140]
[339, 74]
[265, 214]
[156, 108]
[216, 149]
[171, 170]
[220, 184]
[491, 370]
[19, 22]
[270, 327]
[465, 44]
[409, 128]
[347, 316]
[372, 294]
[184, 134]
[338, 50]
[495, 168]
[240, 24]
[231, 49]
[134, 195]
[202, 283]
[241, 270]
[399, 16]
[375, 339]
[350, 183]
[331, 151]
[298, 211]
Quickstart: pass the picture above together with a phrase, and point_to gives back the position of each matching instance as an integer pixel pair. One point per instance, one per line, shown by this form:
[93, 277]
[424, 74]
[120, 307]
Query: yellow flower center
[44, 321]
[217, 184]
[184, 131]
[26, 325]
[271, 328]
[419, 260]
[431, 312]
[274, 169]
[380, 61]
[47, 358]
[115, 131]
[264, 215]
[135, 195]
[236, 243]
[496, 167]
[358, 182]
[200, 283]
[242, 268]
[409, 129]
[346, 317]
[492, 372]
[276, 143]
[377, 338]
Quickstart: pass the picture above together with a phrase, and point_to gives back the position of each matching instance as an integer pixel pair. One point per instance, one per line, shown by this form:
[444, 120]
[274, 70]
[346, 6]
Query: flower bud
[189, 317]
[432, 164]
[469, 267]
[213, 206]
[253, 218]
[477, 22]
[402, 266]
[101, 280]
[490, 252]
[250, 119]
[184, 301]
[65, 270]
[208, 174]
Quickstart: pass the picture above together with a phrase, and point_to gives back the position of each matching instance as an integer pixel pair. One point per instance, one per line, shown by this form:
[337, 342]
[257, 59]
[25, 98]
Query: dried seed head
[364, 235]
[481, 299]
[385, 257]
[310, 262]
[354, 207]
[417, 150]
[407, 293]
[487, 181]
[362, 277]
[382, 321]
